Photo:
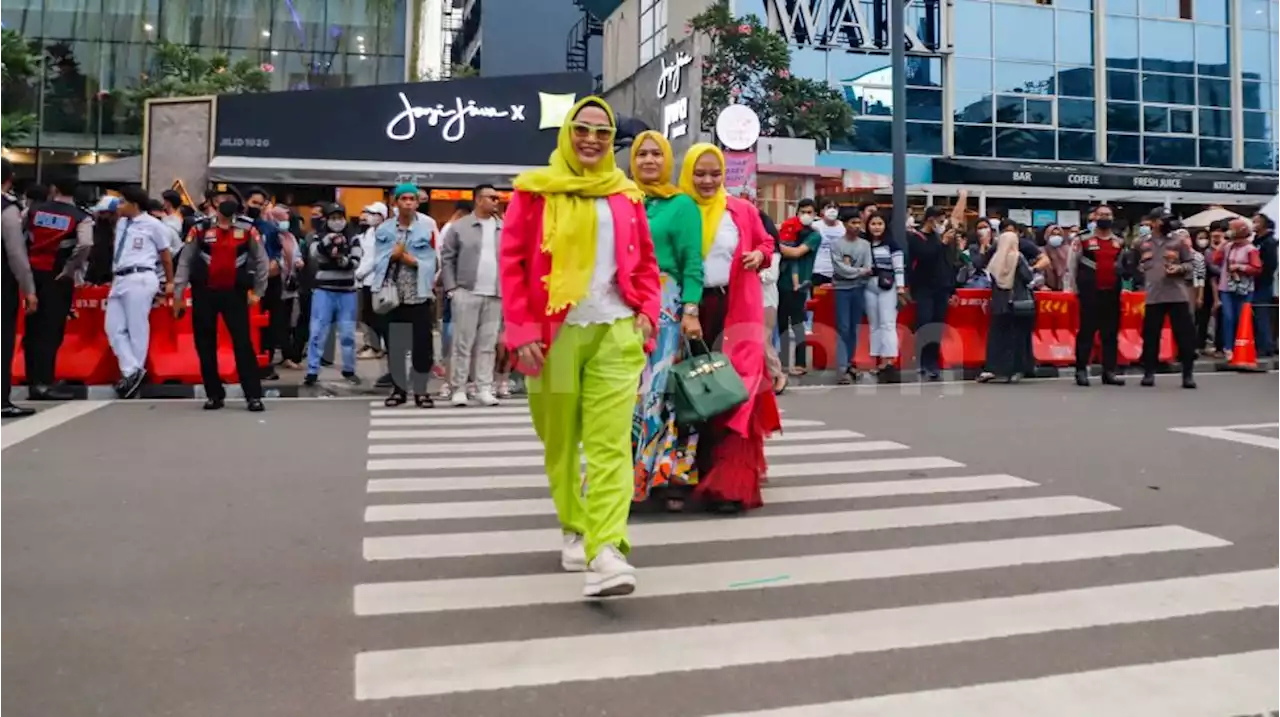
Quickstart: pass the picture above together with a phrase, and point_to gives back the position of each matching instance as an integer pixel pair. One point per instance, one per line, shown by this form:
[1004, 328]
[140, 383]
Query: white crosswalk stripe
[463, 488]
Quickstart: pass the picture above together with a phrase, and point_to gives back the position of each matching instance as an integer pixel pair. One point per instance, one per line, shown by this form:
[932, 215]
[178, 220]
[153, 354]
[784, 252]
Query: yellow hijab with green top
[663, 188]
[569, 217]
[712, 207]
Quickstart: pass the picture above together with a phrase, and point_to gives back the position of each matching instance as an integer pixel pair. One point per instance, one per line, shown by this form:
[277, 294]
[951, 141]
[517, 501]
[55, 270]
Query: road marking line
[16, 432]
[789, 494]
[454, 450]
[539, 480]
[543, 540]
[478, 420]
[499, 665]
[1225, 433]
[419, 596]
[1243, 684]
[381, 403]
[528, 432]
[478, 412]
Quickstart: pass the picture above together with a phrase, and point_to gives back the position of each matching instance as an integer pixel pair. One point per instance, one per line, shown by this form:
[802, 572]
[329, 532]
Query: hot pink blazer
[744, 320]
[523, 266]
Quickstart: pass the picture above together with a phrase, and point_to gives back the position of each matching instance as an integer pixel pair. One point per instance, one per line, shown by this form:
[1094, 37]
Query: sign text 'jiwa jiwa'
[675, 114]
[404, 126]
[856, 24]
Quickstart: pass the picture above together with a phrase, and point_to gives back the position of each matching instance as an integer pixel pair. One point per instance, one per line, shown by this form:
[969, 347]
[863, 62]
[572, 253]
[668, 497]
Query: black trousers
[45, 328]
[1203, 314]
[791, 315]
[233, 306]
[711, 315]
[931, 320]
[10, 301]
[1184, 334]
[410, 328]
[1099, 314]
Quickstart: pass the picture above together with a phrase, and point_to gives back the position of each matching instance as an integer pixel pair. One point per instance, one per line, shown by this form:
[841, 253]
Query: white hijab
[1004, 264]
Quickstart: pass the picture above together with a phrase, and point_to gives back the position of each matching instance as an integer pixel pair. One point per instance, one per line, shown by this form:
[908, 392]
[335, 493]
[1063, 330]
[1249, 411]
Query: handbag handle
[688, 345]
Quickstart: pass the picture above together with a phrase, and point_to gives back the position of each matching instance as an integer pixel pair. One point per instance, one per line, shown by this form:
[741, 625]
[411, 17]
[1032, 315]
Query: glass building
[1187, 84]
[94, 48]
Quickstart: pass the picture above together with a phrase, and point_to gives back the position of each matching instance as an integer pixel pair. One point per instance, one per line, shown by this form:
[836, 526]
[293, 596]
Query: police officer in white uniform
[140, 240]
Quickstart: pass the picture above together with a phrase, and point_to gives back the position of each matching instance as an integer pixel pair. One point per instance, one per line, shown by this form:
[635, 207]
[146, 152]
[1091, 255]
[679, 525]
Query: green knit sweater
[676, 227]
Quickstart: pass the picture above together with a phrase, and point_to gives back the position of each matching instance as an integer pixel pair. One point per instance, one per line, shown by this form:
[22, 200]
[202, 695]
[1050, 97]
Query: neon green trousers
[583, 403]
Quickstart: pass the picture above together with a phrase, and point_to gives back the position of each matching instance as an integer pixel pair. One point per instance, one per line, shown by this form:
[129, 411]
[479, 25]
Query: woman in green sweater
[665, 460]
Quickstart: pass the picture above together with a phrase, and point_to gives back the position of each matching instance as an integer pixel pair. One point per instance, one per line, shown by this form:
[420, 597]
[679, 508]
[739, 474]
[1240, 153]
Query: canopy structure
[1209, 216]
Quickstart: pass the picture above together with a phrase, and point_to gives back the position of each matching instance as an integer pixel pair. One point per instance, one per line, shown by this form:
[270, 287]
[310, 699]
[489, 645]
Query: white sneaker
[573, 556]
[486, 398]
[459, 399]
[609, 575]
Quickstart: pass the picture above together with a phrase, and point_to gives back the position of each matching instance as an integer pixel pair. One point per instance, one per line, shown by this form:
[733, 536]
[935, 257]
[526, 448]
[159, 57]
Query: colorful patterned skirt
[664, 458]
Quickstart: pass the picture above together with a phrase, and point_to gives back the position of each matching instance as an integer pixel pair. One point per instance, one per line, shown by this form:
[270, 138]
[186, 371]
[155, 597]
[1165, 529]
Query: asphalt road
[959, 549]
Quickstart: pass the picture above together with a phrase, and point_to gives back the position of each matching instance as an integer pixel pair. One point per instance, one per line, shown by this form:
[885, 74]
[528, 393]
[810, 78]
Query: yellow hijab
[569, 219]
[663, 188]
[712, 207]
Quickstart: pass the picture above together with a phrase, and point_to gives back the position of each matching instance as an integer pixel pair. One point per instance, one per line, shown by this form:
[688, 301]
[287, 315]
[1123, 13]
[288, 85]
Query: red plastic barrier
[85, 356]
[822, 339]
[172, 358]
[1053, 341]
[969, 316]
[1132, 309]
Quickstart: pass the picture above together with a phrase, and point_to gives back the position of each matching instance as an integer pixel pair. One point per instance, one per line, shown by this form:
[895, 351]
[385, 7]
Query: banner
[740, 173]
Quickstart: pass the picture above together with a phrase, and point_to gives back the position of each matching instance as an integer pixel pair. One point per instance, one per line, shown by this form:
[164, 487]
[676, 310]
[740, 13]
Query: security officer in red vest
[1098, 291]
[16, 284]
[226, 265]
[60, 237]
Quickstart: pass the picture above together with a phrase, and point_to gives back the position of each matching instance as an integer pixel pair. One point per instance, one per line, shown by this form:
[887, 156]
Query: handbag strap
[688, 346]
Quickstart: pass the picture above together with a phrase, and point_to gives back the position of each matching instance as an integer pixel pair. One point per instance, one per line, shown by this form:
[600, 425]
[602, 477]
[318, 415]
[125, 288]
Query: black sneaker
[1188, 381]
[255, 405]
[213, 404]
[1082, 377]
[1112, 379]
[12, 411]
[134, 383]
[310, 379]
[351, 378]
[50, 393]
[1148, 379]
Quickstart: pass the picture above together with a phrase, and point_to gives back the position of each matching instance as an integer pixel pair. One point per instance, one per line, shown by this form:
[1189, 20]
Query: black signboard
[1092, 176]
[501, 120]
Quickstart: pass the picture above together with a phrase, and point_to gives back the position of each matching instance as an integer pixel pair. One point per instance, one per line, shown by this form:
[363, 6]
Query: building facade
[94, 48]
[510, 37]
[1120, 90]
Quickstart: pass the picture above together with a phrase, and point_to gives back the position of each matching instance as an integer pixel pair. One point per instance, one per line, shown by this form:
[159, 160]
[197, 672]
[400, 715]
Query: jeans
[326, 308]
[1232, 305]
[850, 306]
[931, 320]
[882, 315]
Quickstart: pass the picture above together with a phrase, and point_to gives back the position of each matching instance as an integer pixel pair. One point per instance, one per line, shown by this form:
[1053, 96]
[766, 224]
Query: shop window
[1076, 82]
[1215, 123]
[1255, 95]
[1075, 114]
[1076, 147]
[1168, 89]
[1017, 143]
[1215, 93]
[1122, 85]
[1260, 155]
[1074, 38]
[1212, 44]
[1123, 117]
[1215, 153]
[1257, 125]
[1167, 151]
[1124, 148]
[974, 140]
[973, 108]
[1122, 42]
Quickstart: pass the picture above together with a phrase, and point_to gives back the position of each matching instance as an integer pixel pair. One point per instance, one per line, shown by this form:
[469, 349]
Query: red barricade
[969, 317]
[822, 339]
[1132, 309]
[1053, 341]
[171, 357]
[85, 356]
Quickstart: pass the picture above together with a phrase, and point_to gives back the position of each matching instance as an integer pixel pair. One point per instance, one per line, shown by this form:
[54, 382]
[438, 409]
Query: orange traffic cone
[1244, 355]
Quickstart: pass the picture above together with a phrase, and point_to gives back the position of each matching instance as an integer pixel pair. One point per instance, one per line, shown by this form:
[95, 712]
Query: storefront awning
[276, 170]
[120, 171]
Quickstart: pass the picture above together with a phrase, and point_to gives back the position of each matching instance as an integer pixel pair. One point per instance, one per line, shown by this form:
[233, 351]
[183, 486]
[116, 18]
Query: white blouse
[719, 260]
[603, 303]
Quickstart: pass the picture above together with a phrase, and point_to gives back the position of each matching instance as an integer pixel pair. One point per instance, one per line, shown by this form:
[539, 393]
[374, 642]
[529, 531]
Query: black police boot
[255, 405]
[213, 404]
[13, 411]
[1148, 379]
[50, 393]
[1188, 380]
[1110, 378]
[1082, 377]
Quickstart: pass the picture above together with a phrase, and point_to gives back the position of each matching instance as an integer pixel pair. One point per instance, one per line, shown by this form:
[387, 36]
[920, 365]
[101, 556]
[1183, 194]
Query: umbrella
[1272, 209]
[1209, 216]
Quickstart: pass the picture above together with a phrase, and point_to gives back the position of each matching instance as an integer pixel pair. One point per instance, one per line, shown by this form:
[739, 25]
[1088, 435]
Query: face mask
[806, 219]
[337, 225]
[253, 212]
[1055, 241]
[228, 208]
[1144, 231]
[282, 226]
[830, 214]
[1102, 224]
[984, 231]
[1202, 243]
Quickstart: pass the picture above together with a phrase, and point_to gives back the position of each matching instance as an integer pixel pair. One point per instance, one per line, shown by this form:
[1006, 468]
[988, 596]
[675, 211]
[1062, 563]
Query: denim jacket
[418, 245]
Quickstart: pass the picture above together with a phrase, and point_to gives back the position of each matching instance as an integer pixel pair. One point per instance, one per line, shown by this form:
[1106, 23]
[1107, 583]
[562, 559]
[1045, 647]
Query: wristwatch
[691, 310]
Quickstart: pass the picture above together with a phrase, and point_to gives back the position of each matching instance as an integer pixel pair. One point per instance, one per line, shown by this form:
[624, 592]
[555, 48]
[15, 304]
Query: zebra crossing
[460, 536]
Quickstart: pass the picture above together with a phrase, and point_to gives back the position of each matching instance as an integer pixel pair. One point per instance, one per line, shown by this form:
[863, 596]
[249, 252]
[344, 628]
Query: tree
[21, 65]
[180, 71]
[749, 64]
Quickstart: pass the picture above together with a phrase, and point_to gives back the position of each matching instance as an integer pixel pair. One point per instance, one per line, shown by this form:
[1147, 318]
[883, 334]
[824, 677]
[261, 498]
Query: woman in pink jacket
[580, 298]
[735, 247]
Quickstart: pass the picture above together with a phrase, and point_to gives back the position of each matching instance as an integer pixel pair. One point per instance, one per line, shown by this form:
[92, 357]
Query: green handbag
[705, 386]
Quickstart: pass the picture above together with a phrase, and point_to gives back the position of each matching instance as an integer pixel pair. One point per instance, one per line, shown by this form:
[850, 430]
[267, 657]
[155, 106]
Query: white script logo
[454, 118]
